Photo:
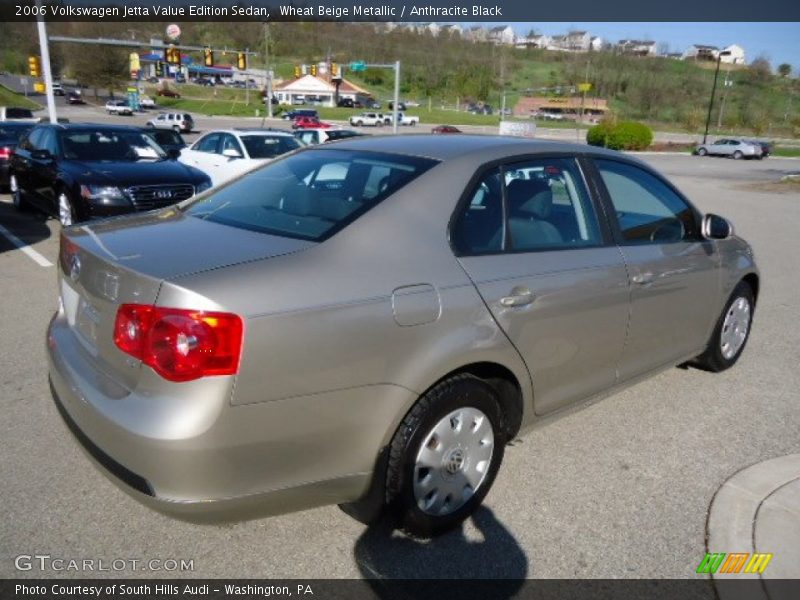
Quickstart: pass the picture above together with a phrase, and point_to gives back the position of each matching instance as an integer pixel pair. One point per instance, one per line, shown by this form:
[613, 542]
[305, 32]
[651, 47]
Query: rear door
[674, 271]
[529, 236]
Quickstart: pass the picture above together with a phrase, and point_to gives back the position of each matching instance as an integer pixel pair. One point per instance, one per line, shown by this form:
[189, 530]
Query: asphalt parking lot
[620, 488]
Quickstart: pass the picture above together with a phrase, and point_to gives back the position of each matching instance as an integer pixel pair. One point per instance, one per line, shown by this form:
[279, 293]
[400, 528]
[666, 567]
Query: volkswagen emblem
[74, 267]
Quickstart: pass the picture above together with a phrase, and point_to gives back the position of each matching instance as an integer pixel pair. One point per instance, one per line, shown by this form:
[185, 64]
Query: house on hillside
[502, 36]
[451, 30]
[733, 55]
[533, 41]
[477, 34]
[568, 107]
[596, 44]
[637, 47]
[574, 41]
[317, 90]
[701, 52]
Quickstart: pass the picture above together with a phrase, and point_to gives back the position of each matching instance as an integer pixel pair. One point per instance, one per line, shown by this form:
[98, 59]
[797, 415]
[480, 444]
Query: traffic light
[335, 71]
[172, 55]
[208, 57]
[297, 72]
[314, 70]
[241, 61]
[34, 66]
[159, 68]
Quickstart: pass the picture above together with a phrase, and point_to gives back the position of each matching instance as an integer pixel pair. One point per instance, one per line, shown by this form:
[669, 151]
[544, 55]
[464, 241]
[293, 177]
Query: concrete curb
[758, 510]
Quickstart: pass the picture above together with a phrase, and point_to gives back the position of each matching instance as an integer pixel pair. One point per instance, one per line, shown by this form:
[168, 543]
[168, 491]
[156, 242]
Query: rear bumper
[213, 461]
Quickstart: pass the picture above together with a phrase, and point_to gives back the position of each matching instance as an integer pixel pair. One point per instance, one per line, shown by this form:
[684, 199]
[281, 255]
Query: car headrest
[532, 197]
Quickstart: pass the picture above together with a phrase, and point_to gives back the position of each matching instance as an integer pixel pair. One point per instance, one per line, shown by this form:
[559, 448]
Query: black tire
[18, 195]
[713, 359]
[737, 155]
[457, 392]
[702, 152]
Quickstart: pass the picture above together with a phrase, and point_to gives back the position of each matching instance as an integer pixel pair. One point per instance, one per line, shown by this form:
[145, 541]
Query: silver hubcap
[64, 210]
[735, 328]
[453, 461]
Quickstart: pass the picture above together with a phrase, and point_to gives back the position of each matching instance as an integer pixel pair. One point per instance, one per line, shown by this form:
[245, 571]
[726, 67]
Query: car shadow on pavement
[425, 566]
[29, 226]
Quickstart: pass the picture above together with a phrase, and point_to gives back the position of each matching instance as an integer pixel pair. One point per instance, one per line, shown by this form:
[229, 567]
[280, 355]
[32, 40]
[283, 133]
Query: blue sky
[780, 42]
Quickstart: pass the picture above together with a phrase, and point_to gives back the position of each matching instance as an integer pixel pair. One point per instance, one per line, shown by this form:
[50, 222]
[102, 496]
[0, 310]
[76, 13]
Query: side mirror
[231, 153]
[716, 227]
[41, 154]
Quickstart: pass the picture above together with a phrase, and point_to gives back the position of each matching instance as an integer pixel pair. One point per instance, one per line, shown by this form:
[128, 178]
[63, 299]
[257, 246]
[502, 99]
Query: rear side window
[310, 195]
[267, 146]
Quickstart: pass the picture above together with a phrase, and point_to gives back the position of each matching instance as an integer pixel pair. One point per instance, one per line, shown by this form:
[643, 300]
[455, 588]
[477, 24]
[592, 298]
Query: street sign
[358, 66]
[584, 87]
[173, 32]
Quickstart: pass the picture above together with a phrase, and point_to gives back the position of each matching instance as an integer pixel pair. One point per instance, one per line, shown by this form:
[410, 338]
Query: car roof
[489, 147]
[92, 127]
[253, 131]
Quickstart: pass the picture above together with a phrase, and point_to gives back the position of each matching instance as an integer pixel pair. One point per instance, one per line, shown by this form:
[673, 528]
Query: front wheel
[731, 332]
[17, 195]
[66, 210]
[702, 152]
[737, 155]
[445, 455]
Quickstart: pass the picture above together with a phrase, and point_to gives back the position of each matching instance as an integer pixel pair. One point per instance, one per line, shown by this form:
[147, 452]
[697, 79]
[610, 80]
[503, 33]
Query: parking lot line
[32, 254]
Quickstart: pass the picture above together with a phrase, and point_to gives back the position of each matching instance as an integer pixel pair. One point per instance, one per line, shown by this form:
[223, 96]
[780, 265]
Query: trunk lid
[125, 260]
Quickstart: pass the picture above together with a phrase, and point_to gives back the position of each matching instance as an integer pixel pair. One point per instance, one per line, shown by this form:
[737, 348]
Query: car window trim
[612, 214]
[502, 163]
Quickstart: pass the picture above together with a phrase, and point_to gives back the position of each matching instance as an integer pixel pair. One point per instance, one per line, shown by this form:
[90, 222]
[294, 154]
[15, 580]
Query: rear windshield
[310, 195]
[165, 136]
[269, 146]
[13, 131]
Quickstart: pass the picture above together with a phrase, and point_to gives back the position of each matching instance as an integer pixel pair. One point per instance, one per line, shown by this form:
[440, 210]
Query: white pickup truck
[369, 119]
[402, 119]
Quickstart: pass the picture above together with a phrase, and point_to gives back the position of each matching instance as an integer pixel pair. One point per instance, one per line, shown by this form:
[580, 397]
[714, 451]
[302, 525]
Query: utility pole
[48, 74]
[266, 68]
[396, 95]
[713, 92]
[725, 85]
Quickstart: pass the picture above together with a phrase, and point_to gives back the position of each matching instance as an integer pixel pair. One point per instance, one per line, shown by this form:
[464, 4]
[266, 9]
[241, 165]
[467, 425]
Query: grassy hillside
[9, 98]
[668, 94]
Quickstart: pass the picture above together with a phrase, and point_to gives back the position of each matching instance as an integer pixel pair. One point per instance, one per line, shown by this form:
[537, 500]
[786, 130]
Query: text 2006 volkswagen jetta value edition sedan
[369, 323]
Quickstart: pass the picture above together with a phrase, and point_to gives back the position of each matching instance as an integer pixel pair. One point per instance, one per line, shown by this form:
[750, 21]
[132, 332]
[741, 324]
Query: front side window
[534, 205]
[648, 210]
[309, 195]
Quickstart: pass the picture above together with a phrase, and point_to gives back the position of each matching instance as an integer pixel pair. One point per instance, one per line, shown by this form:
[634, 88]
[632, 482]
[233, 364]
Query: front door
[674, 272]
[531, 241]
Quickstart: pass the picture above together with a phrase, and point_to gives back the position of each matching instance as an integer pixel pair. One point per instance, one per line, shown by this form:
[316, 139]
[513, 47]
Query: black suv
[291, 115]
[77, 172]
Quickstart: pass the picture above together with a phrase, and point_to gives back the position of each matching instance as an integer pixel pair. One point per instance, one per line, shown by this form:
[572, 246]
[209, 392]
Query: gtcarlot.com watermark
[46, 562]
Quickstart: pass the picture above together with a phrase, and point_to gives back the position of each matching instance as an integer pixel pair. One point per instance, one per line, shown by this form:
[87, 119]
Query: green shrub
[625, 135]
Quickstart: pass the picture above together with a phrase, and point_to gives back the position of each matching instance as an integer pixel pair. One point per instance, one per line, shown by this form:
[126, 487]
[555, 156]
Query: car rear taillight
[180, 344]
[67, 251]
[5, 153]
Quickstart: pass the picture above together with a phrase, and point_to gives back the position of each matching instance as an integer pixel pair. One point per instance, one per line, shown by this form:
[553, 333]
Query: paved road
[618, 489]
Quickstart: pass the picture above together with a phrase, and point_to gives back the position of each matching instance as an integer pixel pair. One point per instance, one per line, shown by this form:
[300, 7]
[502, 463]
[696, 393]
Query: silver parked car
[730, 147]
[369, 323]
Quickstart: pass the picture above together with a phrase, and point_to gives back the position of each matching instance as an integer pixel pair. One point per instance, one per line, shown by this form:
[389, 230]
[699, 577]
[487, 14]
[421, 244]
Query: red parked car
[445, 129]
[309, 122]
[167, 93]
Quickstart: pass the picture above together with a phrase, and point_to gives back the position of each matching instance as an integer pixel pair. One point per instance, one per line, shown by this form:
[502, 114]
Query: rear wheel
[66, 209]
[732, 331]
[445, 455]
[702, 152]
[737, 155]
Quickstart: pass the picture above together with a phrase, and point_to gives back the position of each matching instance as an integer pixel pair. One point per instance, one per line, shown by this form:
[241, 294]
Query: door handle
[518, 297]
[642, 278]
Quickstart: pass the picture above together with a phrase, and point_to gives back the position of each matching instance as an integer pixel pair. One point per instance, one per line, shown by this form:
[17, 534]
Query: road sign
[173, 31]
[357, 66]
[584, 87]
